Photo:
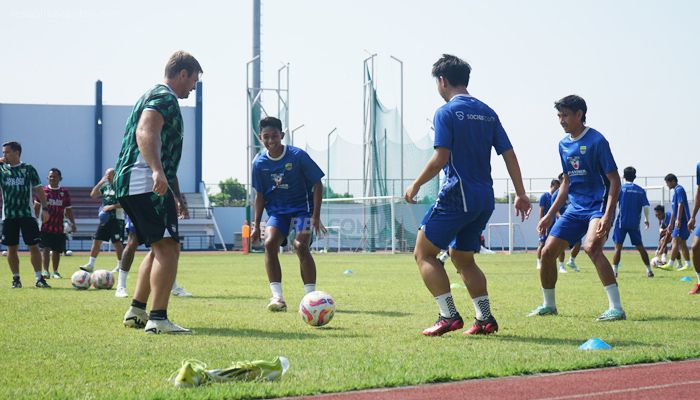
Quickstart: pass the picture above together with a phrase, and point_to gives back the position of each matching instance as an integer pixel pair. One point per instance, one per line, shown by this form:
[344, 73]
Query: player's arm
[95, 192]
[69, 214]
[440, 157]
[316, 224]
[546, 221]
[37, 207]
[522, 201]
[182, 211]
[148, 139]
[696, 208]
[613, 195]
[259, 205]
[679, 215]
[112, 207]
[646, 217]
[39, 193]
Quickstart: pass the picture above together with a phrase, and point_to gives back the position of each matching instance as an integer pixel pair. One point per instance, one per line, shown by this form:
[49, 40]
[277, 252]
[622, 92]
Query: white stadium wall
[63, 136]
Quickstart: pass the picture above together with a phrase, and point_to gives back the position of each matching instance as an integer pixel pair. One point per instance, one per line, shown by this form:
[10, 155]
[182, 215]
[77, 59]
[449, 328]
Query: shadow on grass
[281, 335]
[392, 314]
[664, 318]
[548, 341]
[228, 297]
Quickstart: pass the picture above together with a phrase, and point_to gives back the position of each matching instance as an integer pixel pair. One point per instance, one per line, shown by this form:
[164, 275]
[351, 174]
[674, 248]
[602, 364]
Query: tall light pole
[401, 65]
[291, 134]
[328, 163]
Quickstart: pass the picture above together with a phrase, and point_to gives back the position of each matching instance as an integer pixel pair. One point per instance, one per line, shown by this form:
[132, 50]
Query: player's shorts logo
[575, 162]
[582, 149]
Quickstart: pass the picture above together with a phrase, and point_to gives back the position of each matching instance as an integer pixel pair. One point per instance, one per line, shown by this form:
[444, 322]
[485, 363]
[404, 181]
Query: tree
[231, 194]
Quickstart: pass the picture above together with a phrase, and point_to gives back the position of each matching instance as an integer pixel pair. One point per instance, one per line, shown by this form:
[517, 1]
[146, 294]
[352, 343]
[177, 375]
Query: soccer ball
[80, 280]
[102, 279]
[655, 262]
[317, 308]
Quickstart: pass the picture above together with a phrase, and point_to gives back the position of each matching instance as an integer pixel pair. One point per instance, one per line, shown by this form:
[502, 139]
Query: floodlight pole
[250, 100]
[401, 188]
[328, 163]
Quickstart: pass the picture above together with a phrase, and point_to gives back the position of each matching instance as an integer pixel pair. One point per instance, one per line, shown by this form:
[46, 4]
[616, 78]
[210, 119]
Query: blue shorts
[301, 221]
[619, 235]
[572, 227]
[681, 232]
[697, 230]
[458, 230]
[128, 225]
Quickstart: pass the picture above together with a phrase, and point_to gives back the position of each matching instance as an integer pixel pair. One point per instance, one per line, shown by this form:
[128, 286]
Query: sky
[635, 62]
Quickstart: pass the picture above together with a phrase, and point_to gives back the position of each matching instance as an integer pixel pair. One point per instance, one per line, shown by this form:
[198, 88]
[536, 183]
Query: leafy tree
[231, 194]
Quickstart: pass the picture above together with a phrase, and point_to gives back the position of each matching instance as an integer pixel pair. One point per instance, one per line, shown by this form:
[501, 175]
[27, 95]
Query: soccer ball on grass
[102, 279]
[317, 308]
[80, 280]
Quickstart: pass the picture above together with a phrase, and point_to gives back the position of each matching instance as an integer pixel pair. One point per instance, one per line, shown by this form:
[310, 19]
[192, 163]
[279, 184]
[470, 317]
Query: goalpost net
[369, 224]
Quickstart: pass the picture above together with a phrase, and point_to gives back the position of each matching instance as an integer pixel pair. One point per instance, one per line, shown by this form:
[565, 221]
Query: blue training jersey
[667, 220]
[546, 202]
[286, 182]
[469, 129]
[587, 159]
[562, 209]
[679, 197]
[632, 199]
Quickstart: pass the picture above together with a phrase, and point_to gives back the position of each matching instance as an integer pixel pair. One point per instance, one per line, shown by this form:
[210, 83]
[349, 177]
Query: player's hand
[544, 224]
[108, 208]
[603, 227]
[182, 211]
[73, 227]
[44, 216]
[160, 184]
[646, 224]
[691, 224]
[255, 235]
[318, 227]
[522, 207]
[411, 192]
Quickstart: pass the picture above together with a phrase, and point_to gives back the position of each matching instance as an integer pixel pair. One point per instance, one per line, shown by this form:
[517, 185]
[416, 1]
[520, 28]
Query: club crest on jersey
[582, 149]
[575, 162]
[288, 166]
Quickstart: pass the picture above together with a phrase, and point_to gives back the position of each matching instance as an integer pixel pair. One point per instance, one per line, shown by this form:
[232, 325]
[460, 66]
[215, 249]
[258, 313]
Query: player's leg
[13, 262]
[166, 254]
[684, 251]
[696, 260]
[136, 316]
[636, 239]
[562, 255]
[32, 237]
[302, 245]
[619, 235]
[55, 260]
[572, 257]
[617, 255]
[127, 259]
[593, 246]
[46, 256]
[540, 246]
[118, 250]
[553, 248]
[58, 246]
[10, 238]
[462, 252]
[275, 233]
[94, 252]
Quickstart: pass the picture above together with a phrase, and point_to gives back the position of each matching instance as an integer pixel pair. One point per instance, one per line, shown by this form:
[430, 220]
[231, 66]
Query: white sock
[615, 266]
[539, 263]
[687, 263]
[92, 261]
[119, 264]
[648, 268]
[572, 259]
[309, 287]
[613, 292]
[672, 263]
[37, 275]
[447, 305]
[663, 258]
[561, 265]
[697, 273]
[121, 281]
[276, 288]
[175, 286]
[549, 299]
[482, 306]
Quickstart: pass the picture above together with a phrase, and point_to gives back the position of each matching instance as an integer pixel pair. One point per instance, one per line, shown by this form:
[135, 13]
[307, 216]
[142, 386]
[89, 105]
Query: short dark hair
[182, 60]
[14, 146]
[630, 174]
[554, 182]
[271, 122]
[659, 208]
[452, 68]
[574, 103]
[671, 178]
[56, 170]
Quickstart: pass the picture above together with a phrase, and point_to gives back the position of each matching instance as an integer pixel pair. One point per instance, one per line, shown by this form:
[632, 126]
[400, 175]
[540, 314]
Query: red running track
[660, 381]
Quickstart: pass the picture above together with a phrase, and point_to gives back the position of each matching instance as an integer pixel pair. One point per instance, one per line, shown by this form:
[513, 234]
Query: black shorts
[53, 241]
[12, 226]
[112, 231]
[154, 217]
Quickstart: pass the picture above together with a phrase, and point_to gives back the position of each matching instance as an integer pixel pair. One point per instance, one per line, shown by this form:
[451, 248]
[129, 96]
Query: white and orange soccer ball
[80, 280]
[102, 279]
[317, 308]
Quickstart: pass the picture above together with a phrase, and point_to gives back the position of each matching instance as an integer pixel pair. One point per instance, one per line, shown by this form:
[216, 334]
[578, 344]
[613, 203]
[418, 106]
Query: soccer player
[132, 244]
[633, 199]
[288, 186]
[545, 205]
[691, 226]
[592, 184]
[465, 131]
[664, 218]
[577, 247]
[17, 181]
[147, 188]
[53, 238]
[113, 229]
[678, 227]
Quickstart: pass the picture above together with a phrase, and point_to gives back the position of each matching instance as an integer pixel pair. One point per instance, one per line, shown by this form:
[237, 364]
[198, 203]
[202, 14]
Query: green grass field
[67, 344]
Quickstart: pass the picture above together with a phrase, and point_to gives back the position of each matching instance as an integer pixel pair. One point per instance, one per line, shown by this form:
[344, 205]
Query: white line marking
[630, 390]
